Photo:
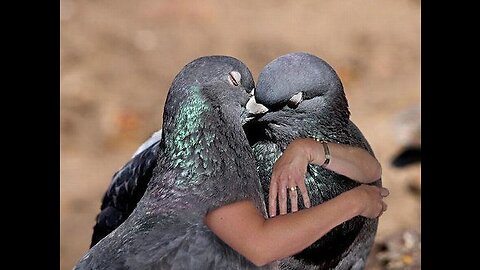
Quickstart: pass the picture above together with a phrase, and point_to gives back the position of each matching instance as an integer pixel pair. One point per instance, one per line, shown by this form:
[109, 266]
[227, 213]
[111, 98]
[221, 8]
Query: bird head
[297, 86]
[222, 81]
[216, 68]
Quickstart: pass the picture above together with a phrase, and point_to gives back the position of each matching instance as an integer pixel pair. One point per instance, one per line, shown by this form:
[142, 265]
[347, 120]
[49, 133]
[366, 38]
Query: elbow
[259, 260]
[259, 255]
[260, 264]
[376, 172]
[371, 173]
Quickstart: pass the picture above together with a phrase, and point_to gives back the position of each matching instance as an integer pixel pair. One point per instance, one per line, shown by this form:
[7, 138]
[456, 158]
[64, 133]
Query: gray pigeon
[205, 162]
[305, 98]
[130, 182]
[126, 188]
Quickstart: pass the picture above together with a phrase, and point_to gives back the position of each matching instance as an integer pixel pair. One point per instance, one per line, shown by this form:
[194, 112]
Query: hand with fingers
[371, 200]
[288, 174]
[288, 178]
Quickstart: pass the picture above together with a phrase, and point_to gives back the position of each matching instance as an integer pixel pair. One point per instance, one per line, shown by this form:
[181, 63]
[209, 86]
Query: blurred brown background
[119, 57]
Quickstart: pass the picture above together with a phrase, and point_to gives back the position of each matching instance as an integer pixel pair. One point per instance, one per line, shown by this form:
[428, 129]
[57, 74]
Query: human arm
[261, 240]
[289, 170]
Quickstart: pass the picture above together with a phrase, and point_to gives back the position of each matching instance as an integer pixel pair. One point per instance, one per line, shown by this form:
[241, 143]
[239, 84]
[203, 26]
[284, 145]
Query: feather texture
[323, 114]
[205, 162]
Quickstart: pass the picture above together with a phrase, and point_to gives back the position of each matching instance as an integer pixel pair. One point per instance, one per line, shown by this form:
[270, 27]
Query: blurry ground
[119, 57]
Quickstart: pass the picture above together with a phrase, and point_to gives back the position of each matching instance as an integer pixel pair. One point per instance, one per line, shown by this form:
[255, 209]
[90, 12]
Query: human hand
[289, 173]
[370, 200]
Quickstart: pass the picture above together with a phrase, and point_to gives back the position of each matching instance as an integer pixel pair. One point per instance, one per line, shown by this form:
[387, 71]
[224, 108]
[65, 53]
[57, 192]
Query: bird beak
[254, 108]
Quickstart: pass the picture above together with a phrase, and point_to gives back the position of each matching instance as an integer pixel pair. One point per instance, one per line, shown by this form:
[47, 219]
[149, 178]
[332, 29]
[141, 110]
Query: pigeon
[130, 182]
[305, 98]
[126, 188]
[204, 162]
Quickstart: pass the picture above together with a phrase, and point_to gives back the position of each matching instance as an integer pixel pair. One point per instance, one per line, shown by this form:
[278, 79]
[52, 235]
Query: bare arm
[354, 162]
[289, 170]
[243, 228]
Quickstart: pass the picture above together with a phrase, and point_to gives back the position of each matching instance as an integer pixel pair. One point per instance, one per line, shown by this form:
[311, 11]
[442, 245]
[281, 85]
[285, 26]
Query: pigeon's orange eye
[234, 78]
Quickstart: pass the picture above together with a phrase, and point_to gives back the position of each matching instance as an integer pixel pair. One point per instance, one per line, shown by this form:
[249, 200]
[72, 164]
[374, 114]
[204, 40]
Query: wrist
[306, 147]
[354, 197]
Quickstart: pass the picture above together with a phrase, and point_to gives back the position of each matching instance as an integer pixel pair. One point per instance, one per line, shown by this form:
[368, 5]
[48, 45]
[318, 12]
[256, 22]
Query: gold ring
[292, 188]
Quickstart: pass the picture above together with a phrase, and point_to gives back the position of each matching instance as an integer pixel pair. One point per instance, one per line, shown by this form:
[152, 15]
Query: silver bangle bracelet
[326, 150]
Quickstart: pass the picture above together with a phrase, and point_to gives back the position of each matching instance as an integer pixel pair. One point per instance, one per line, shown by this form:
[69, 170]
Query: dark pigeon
[205, 162]
[130, 182]
[127, 187]
[306, 99]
